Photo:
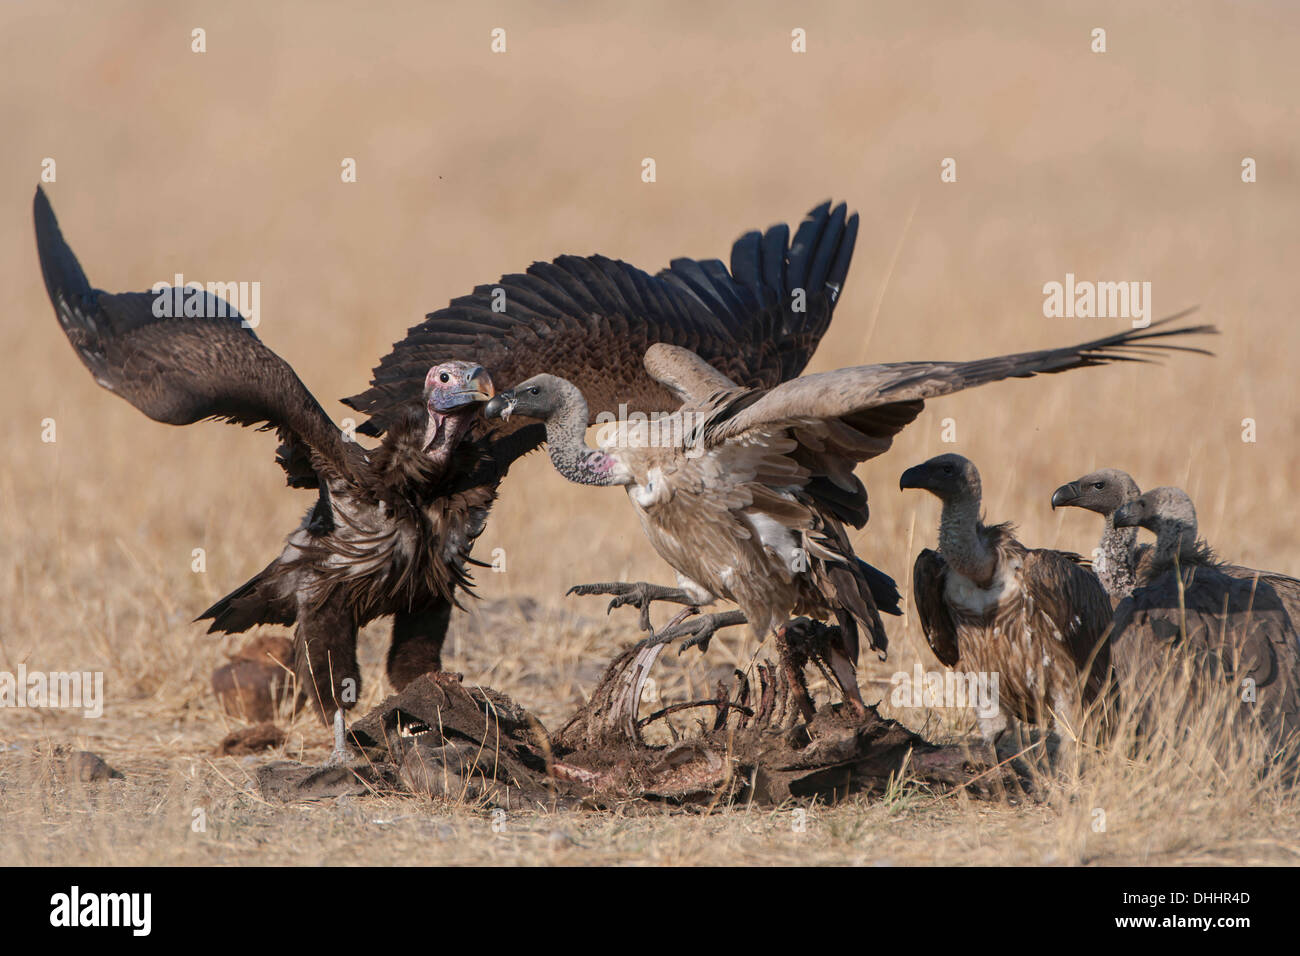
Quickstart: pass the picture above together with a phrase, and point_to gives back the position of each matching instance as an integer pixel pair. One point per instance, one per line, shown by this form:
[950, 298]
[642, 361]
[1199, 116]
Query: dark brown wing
[1229, 627]
[1284, 586]
[1072, 597]
[929, 574]
[179, 370]
[590, 320]
[879, 399]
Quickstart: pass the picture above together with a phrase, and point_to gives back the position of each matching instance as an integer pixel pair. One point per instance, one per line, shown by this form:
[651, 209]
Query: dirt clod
[91, 768]
[238, 743]
[256, 683]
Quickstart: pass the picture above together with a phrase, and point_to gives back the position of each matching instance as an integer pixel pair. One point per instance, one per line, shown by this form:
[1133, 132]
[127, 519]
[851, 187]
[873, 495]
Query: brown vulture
[1037, 618]
[392, 527]
[1228, 626]
[745, 491]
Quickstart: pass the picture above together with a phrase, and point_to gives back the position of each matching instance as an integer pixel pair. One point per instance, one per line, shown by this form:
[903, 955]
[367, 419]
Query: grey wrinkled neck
[961, 543]
[566, 443]
[1117, 563]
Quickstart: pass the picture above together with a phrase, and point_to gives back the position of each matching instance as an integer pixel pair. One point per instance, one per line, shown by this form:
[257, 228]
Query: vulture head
[1166, 511]
[452, 393]
[541, 397]
[950, 478]
[561, 405]
[1102, 492]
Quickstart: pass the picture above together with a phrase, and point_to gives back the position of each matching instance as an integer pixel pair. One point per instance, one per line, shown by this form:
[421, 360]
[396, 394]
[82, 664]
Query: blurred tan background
[225, 166]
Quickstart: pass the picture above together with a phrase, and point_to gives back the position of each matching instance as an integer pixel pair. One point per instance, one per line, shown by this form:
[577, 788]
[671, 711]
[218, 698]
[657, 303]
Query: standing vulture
[1036, 618]
[745, 491]
[1228, 626]
[392, 527]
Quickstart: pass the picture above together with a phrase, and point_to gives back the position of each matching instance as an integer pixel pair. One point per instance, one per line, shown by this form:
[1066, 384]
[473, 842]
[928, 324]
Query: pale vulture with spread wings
[745, 491]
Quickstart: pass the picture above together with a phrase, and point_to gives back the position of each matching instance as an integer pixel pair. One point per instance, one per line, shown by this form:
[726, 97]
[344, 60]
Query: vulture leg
[1065, 722]
[325, 656]
[340, 754]
[418, 637]
[701, 631]
[992, 729]
[638, 594]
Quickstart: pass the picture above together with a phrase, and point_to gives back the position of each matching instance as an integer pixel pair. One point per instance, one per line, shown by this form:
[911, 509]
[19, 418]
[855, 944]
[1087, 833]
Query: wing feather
[881, 397]
[591, 319]
[1073, 598]
[179, 370]
[929, 575]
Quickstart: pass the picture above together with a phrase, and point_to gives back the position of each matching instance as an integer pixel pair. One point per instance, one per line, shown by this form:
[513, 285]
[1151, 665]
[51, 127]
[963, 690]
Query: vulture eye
[533, 390]
[444, 377]
[947, 469]
[1099, 485]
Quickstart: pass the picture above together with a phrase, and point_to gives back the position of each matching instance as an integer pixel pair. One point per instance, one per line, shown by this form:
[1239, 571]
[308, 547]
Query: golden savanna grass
[225, 166]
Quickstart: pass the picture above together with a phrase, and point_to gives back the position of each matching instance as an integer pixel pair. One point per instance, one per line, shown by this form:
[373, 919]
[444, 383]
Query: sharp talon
[700, 640]
[652, 641]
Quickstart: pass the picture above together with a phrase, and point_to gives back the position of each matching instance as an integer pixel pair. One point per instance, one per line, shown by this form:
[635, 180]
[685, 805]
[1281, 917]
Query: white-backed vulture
[745, 491]
[1037, 618]
[1122, 563]
[392, 528]
[1118, 555]
[1231, 627]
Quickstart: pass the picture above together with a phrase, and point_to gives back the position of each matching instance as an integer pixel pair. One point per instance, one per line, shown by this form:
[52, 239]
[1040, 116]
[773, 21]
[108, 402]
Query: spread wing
[879, 400]
[691, 379]
[182, 369]
[591, 319]
[929, 574]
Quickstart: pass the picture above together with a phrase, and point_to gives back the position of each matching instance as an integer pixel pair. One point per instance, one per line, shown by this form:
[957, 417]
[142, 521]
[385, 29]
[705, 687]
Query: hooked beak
[500, 407]
[914, 477]
[477, 388]
[1065, 495]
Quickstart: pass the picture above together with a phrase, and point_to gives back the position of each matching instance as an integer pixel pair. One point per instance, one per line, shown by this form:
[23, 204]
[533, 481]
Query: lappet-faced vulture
[392, 527]
[1037, 618]
[1230, 627]
[746, 491]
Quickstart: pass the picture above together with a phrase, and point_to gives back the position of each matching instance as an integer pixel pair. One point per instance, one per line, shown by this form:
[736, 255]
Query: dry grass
[225, 166]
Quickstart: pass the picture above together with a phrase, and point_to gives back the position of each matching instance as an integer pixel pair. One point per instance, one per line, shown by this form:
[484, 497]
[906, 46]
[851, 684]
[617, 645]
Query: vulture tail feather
[856, 605]
[256, 601]
[884, 589]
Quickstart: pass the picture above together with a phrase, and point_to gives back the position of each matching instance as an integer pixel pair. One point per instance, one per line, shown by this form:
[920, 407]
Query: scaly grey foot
[698, 633]
[639, 594]
[340, 754]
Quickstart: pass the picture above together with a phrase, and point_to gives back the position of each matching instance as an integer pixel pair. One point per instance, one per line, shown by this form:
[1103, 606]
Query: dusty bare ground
[225, 166]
